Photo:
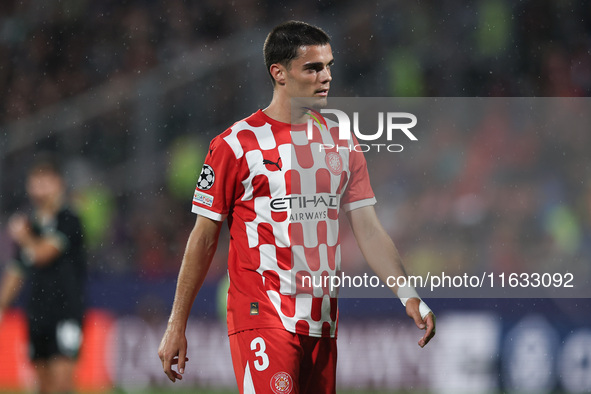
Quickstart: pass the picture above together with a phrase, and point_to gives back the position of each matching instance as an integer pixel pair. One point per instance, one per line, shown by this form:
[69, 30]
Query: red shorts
[276, 361]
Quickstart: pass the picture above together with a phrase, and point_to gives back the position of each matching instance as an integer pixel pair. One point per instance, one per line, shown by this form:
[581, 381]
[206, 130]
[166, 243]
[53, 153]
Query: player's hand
[427, 324]
[18, 228]
[173, 351]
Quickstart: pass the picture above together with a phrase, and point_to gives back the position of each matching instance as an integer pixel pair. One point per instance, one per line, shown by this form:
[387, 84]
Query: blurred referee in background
[50, 256]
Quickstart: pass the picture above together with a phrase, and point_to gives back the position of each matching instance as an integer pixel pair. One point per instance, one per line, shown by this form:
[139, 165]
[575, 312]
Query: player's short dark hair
[283, 42]
[45, 163]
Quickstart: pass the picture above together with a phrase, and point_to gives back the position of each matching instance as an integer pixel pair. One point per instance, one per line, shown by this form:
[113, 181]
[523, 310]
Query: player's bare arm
[12, 281]
[199, 252]
[383, 257]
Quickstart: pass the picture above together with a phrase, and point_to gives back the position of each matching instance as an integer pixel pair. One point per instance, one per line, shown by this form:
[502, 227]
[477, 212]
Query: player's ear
[278, 73]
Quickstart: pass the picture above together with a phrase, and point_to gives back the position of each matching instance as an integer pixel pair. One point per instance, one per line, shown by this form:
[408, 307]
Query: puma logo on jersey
[277, 163]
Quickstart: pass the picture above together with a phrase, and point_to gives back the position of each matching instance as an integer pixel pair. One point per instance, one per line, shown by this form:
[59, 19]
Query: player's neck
[50, 207]
[280, 109]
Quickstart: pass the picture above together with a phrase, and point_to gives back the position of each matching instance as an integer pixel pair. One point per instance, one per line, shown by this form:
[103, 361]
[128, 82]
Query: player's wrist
[405, 293]
[177, 326]
[424, 309]
[28, 240]
[408, 292]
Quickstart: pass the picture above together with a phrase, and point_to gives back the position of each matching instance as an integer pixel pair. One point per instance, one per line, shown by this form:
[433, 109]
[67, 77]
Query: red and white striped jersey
[281, 194]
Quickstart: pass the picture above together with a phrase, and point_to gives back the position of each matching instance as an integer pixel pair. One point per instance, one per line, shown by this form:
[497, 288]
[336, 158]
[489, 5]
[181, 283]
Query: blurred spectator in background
[51, 257]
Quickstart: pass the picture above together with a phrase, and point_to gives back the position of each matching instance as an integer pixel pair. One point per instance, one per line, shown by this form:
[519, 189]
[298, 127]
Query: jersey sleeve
[358, 192]
[214, 192]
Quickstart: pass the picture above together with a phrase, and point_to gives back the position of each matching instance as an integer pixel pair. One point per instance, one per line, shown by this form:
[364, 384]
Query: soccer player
[50, 255]
[281, 200]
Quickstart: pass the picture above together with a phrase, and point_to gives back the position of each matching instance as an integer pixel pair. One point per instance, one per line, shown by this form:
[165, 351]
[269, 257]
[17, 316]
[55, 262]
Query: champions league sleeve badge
[206, 178]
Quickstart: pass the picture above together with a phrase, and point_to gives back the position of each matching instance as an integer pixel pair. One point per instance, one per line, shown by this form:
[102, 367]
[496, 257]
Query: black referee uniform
[55, 305]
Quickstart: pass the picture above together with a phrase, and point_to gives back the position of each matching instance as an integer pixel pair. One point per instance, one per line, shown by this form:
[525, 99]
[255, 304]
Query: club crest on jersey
[281, 383]
[206, 178]
[334, 161]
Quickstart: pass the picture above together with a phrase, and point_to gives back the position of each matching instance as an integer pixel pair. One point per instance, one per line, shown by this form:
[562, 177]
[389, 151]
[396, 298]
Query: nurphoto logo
[395, 122]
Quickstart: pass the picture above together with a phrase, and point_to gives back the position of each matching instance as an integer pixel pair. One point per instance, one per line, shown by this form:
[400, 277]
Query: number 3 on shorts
[264, 362]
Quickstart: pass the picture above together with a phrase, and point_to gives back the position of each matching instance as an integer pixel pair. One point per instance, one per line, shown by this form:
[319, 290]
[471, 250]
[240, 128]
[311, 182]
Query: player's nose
[325, 75]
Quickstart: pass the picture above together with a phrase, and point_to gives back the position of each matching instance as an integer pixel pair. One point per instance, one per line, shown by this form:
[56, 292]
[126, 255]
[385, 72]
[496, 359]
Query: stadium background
[130, 93]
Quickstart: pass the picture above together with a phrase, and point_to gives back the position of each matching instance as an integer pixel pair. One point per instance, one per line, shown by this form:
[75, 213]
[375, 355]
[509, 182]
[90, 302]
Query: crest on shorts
[281, 383]
[206, 178]
[254, 308]
[334, 163]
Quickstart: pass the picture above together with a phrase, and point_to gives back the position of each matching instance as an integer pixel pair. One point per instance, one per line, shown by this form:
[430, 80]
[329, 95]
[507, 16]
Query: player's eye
[314, 67]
